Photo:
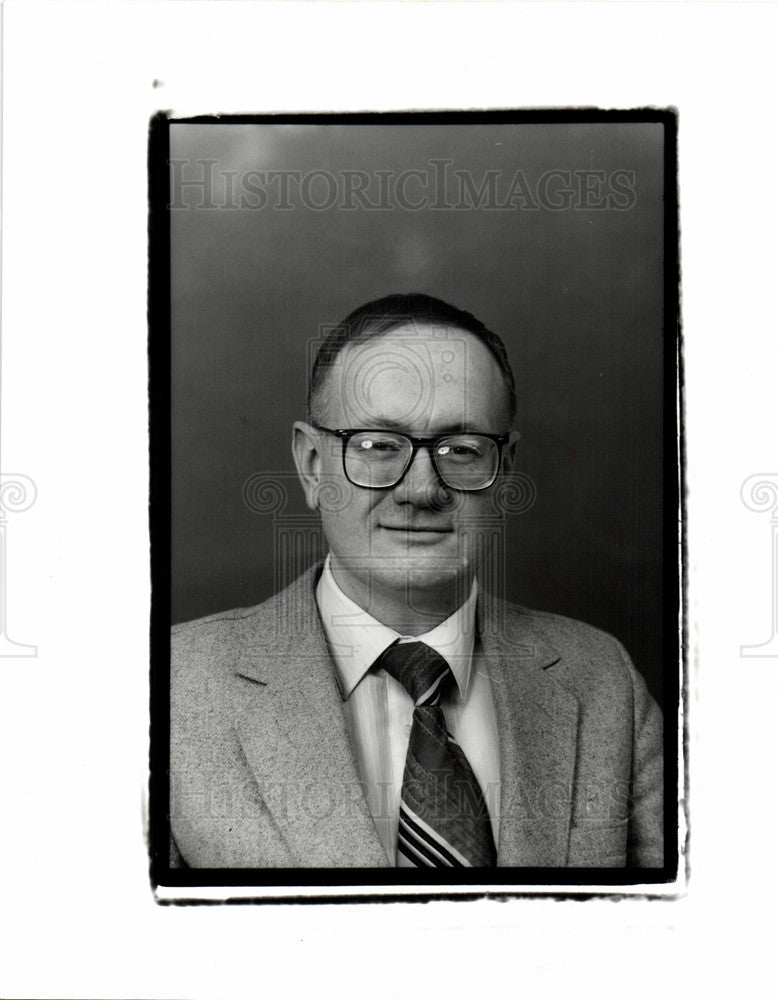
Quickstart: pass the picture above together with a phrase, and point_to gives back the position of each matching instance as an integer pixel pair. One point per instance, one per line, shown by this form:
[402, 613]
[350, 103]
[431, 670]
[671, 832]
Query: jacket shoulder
[220, 621]
[584, 656]
[566, 633]
[256, 619]
[211, 645]
[215, 643]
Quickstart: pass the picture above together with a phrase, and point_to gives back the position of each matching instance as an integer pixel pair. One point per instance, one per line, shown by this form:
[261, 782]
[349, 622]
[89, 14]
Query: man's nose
[421, 485]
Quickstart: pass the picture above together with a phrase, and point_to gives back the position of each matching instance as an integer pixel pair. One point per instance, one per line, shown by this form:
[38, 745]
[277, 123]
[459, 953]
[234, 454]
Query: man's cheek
[476, 535]
[334, 493]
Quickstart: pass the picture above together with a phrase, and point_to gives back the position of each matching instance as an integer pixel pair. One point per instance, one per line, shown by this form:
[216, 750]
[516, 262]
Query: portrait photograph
[388, 501]
[415, 503]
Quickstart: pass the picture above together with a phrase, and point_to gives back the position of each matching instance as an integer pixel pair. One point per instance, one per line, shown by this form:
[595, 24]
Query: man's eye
[373, 444]
[458, 450]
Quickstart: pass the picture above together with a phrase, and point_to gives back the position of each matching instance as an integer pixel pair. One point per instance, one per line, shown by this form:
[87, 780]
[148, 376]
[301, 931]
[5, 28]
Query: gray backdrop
[574, 286]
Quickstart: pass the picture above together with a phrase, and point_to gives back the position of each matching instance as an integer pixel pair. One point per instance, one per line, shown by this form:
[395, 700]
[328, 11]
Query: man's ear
[510, 452]
[306, 449]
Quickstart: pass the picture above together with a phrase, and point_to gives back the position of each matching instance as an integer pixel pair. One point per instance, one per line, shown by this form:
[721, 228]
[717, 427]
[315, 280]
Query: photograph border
[560, 882]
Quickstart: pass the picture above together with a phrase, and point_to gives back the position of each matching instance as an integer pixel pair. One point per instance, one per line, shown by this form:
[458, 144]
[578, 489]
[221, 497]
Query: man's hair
[382, 315]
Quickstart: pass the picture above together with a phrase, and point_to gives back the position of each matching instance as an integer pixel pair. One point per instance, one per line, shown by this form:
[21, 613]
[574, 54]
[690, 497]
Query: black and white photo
[423, 494]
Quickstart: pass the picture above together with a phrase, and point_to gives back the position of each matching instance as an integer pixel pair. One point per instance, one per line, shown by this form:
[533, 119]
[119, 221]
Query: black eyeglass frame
[345, 434]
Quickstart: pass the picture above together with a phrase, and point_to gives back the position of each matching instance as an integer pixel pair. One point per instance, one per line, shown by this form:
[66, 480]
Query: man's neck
[413, 612]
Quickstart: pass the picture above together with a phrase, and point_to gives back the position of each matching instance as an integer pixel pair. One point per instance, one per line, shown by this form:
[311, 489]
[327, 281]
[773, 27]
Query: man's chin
[412, 574]
[405, 591]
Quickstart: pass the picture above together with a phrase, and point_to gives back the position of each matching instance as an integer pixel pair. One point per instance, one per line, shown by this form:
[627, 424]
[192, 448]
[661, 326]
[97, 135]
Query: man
[385, 710]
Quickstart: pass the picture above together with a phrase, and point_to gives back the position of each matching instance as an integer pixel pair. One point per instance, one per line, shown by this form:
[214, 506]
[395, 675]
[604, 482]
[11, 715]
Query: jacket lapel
[292, 728]
[538, 721]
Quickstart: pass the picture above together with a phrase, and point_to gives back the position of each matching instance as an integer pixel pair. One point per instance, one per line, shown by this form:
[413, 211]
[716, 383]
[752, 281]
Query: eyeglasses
[378, 459]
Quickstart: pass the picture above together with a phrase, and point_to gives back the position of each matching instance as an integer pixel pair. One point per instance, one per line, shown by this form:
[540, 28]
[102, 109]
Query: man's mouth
[421, 529]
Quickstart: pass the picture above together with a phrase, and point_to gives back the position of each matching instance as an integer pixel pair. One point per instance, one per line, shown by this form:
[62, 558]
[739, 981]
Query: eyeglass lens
[379, 459]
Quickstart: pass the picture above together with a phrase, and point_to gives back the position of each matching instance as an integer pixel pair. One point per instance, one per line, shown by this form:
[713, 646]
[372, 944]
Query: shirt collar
[356, 639]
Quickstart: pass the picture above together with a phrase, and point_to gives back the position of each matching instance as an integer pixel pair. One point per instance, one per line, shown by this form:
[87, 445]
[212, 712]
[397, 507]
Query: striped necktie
[444, 821]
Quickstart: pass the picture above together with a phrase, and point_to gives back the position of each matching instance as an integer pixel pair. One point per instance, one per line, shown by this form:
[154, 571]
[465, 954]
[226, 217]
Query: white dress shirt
[380, 711]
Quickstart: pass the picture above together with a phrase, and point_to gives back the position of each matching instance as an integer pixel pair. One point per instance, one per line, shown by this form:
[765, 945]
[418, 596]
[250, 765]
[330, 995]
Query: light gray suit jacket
[262, 772]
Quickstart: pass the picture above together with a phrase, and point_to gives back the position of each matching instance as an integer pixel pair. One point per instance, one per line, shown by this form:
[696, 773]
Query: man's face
[418, 540]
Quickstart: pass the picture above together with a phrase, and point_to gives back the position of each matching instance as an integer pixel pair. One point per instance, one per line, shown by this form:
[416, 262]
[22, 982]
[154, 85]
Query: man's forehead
[415, 374]
[418, 352]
